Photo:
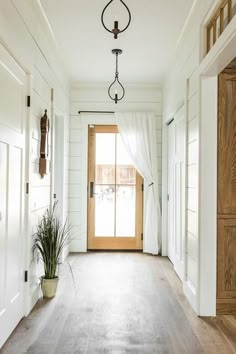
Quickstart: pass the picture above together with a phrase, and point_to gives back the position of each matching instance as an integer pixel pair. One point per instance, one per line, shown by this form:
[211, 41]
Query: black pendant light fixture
[116, 29]
[116, 85]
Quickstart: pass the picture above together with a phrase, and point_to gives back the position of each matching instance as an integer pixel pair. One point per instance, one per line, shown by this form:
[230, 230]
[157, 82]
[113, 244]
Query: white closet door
[180, 192]
[171, 191]
[12, 142]
[176, 191]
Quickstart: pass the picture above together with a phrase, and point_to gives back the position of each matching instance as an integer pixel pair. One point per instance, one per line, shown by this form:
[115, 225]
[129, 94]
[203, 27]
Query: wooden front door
[226, 245]
[115, 193]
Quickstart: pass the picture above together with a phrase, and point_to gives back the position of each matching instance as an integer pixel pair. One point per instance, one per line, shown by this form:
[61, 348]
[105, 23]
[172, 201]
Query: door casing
[111, 243]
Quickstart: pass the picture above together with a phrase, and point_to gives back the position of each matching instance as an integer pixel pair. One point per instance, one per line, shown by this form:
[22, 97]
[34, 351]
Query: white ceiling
[148, 44]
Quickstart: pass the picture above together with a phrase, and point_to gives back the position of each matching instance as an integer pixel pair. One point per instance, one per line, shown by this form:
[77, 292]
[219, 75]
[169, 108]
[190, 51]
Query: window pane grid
[220, 21]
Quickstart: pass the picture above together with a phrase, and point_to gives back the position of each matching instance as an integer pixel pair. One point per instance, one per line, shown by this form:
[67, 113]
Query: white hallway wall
[24, 33]
[183, 83]
[95, 97]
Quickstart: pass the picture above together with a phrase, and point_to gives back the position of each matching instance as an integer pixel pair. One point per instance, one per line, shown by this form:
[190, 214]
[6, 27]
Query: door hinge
[168, 197]
[142, 187]
[26, 276]
[54, 196]
[28, 101]
[27, 188]
[141, 236]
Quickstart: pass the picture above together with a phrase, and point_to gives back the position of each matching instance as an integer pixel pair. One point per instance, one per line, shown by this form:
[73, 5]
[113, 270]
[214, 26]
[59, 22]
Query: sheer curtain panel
[138, 132]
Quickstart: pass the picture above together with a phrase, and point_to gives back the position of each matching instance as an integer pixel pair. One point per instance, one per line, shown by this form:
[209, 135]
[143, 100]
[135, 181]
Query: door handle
[91, 190]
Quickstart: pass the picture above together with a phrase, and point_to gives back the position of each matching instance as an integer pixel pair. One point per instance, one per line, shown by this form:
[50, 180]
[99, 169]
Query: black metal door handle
[91, 190]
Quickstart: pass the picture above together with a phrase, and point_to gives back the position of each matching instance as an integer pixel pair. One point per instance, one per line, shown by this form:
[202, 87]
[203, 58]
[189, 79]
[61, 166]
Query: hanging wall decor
[44, 146]
[116, 85]
[116, 31]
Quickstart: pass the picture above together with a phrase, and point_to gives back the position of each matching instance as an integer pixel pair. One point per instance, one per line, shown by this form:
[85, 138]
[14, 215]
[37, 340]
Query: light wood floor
[125, 303]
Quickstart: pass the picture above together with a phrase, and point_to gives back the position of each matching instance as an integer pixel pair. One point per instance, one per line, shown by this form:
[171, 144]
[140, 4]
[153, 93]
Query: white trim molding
[220, 55]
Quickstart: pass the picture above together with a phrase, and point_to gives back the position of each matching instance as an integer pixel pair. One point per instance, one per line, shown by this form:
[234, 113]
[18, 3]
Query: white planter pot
[49, 287]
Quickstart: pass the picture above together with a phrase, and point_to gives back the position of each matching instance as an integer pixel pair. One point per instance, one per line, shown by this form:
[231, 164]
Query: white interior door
[180, 210]
[176, 191]
[171, 191]
[12, 142]
[59, 165]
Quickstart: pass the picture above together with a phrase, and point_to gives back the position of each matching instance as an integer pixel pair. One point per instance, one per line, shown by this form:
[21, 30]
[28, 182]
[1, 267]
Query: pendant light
[115, 96]
[116, 29]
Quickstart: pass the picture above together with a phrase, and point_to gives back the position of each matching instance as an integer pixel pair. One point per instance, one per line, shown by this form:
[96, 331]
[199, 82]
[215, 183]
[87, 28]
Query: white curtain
[138, 132]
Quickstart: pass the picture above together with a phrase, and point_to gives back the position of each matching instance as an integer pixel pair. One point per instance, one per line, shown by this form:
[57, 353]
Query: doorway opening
[115, 193]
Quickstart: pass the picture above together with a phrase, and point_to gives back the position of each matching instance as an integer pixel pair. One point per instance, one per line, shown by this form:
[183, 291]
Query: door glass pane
[105, 158]
[115, 188]
[105, 184]
[104, 210]
[125, 192]
[125, 211]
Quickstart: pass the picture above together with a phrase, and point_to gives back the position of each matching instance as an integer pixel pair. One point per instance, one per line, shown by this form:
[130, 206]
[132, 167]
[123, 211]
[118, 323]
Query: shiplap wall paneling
[34, 49]
[185, 69]
[94, 97]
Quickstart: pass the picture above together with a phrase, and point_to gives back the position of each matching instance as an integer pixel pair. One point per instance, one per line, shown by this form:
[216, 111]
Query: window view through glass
[115, 188]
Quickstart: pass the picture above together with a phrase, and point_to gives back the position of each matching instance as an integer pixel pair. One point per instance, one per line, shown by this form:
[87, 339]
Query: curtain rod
[107, 112]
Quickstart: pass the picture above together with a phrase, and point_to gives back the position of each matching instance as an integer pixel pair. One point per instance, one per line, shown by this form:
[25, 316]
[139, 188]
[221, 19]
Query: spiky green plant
[51, 238]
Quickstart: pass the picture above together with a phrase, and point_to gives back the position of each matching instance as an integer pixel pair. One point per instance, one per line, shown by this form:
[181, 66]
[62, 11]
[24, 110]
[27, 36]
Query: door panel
[3, 200]
[226, 233]
[180, 196]
[176, 191]
[226, 145]
[14, 242]
[226, 257]
[12, 142]
[115, 196]
[171, 192]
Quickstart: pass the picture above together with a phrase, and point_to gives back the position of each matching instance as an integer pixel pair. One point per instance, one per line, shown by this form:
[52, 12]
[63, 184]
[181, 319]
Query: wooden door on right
[226, 210]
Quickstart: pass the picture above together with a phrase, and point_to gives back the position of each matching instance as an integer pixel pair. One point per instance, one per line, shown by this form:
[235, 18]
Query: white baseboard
[78, 246]
[32, 299]
[191, 294]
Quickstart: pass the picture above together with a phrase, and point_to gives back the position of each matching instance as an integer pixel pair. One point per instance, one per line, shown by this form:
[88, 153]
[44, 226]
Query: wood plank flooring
[124, 303]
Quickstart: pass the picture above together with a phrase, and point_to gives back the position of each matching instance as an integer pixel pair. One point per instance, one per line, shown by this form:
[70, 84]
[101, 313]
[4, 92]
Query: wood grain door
[12, 150]
[115, 193]
[226, 239]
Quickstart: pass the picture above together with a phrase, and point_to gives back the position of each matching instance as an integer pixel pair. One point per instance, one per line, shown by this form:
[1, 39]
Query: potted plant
[51, 238]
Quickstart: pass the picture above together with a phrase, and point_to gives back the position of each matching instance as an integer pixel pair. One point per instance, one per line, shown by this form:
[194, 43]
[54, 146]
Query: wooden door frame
[86, 120]
[109, 243]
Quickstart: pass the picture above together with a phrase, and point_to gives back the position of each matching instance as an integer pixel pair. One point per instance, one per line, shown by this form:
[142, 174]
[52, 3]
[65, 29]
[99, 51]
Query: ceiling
[148, 44]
